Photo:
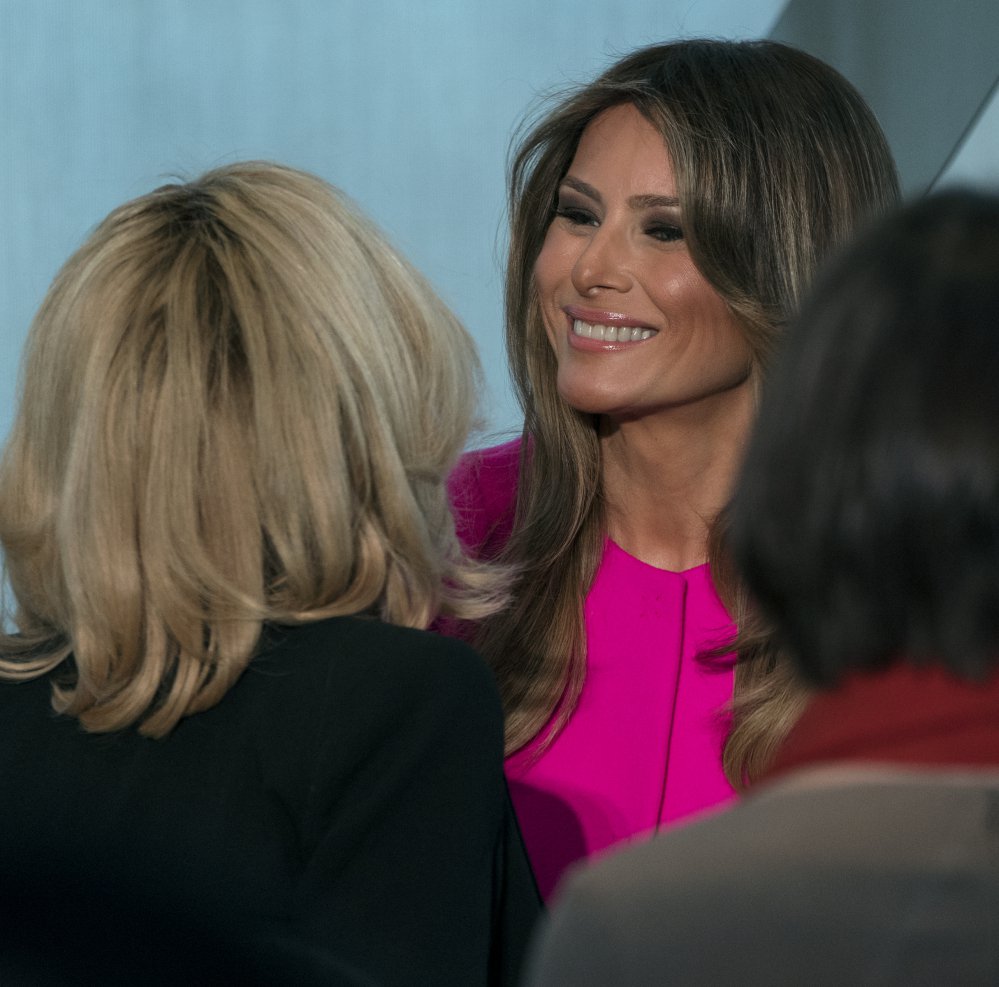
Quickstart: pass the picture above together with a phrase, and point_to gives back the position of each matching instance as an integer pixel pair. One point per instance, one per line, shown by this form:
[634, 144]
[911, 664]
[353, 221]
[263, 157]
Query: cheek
[731, 340]
[724, 341]
[548, 276]
[736, 349]
[552, 341]
[709, 316]
[553, 266]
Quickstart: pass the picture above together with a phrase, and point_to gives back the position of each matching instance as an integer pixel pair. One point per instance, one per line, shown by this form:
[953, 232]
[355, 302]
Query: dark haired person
[866, 526]
[664, 220]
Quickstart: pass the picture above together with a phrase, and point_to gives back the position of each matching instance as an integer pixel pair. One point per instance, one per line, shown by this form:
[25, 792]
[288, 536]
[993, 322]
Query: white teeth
[611, 334]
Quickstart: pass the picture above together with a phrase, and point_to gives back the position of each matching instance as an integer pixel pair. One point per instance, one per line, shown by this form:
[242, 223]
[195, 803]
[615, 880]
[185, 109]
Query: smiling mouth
[611, 334]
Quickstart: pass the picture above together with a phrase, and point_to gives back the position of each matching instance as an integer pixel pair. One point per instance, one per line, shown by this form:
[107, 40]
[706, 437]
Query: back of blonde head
[238, 404]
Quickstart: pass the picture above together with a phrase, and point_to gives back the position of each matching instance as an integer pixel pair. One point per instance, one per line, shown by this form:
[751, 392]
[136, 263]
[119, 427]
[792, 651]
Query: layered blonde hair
[777, 159]
[238, 405]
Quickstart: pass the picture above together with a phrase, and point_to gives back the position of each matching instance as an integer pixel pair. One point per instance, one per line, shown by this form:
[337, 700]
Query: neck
[667, 476]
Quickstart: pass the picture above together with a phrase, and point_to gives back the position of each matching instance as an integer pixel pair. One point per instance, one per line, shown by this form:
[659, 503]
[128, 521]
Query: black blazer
[343, 809]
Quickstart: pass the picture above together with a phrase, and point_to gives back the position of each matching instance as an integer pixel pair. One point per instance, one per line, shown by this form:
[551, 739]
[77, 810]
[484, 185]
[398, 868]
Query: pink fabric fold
[643, 747]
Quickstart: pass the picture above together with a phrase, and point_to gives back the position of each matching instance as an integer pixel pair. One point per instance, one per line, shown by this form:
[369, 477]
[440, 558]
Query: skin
[675, 408]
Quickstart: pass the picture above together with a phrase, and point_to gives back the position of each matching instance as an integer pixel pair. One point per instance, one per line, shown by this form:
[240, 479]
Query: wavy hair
[238, 404]
[777, 159]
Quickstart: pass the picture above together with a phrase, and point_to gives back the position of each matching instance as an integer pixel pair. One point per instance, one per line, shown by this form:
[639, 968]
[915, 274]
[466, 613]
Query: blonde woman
[224, 520]
[664, 220]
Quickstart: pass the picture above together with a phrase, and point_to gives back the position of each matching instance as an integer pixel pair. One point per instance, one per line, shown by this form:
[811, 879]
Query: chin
[582, 396]
[592, 405]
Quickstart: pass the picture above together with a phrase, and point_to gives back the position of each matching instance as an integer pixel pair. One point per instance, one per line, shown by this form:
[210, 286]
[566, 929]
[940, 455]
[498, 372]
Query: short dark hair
[866, 521]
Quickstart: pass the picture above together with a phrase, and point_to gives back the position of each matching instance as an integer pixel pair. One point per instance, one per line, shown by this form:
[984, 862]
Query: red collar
[902, 714]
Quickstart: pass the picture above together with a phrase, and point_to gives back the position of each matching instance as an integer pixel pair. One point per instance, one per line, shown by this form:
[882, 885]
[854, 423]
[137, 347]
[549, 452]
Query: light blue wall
[976, 161]
[407, 104]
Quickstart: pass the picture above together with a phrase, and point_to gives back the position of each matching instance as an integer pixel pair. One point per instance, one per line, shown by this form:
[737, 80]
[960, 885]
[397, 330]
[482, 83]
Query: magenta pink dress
[642, 749]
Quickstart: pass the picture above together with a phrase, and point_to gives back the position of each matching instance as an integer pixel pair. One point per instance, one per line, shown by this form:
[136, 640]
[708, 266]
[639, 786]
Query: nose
[603, 263]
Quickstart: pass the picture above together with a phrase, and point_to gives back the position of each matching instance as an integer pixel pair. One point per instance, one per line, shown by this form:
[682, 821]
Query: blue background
[409, 105]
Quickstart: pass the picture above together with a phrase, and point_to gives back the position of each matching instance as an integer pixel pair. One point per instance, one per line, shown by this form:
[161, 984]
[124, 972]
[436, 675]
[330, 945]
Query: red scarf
[903, 715]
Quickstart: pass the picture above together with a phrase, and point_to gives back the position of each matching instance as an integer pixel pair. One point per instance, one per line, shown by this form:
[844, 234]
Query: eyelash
[577, 216]
[665, 232]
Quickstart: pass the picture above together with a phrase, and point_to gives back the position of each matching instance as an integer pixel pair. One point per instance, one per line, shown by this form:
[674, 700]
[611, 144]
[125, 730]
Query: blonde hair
[238, 405]
[777, 159]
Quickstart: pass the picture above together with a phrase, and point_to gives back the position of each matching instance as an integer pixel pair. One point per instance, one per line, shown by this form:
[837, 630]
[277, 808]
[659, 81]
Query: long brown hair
[777, 159]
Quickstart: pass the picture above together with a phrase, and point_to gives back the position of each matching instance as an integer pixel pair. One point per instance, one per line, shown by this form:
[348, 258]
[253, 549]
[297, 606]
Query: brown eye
[665, 232]
[576, 215]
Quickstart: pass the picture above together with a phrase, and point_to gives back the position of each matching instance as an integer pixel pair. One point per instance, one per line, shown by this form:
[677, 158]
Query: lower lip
[602, 346]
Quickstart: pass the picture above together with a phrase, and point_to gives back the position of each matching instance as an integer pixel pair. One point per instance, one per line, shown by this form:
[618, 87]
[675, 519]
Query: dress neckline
[612, 545]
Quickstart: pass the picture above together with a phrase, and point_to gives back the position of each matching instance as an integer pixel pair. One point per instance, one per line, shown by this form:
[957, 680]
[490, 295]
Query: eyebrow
[635, 202]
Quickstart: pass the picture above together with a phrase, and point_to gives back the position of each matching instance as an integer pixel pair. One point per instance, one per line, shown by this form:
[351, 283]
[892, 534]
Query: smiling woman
[665, 219]
[635, 327]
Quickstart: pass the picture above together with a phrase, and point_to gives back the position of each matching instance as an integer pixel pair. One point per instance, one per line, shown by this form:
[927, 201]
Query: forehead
[620, 150]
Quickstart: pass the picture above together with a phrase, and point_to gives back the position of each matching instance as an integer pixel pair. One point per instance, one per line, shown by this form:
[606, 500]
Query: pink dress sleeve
[483, 492]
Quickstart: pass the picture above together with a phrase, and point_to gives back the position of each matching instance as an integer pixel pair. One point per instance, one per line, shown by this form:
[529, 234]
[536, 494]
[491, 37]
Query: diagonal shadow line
[965, 133]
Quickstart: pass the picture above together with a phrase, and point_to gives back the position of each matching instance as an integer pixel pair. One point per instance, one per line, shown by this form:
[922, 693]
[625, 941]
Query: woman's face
[635, 327]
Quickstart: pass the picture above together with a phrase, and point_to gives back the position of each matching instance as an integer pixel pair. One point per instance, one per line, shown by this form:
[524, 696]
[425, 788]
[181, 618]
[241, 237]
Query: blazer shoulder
[377, 662]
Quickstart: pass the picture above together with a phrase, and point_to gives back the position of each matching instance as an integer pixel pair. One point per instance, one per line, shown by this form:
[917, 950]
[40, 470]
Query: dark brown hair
[777, 159]
[866, 522]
